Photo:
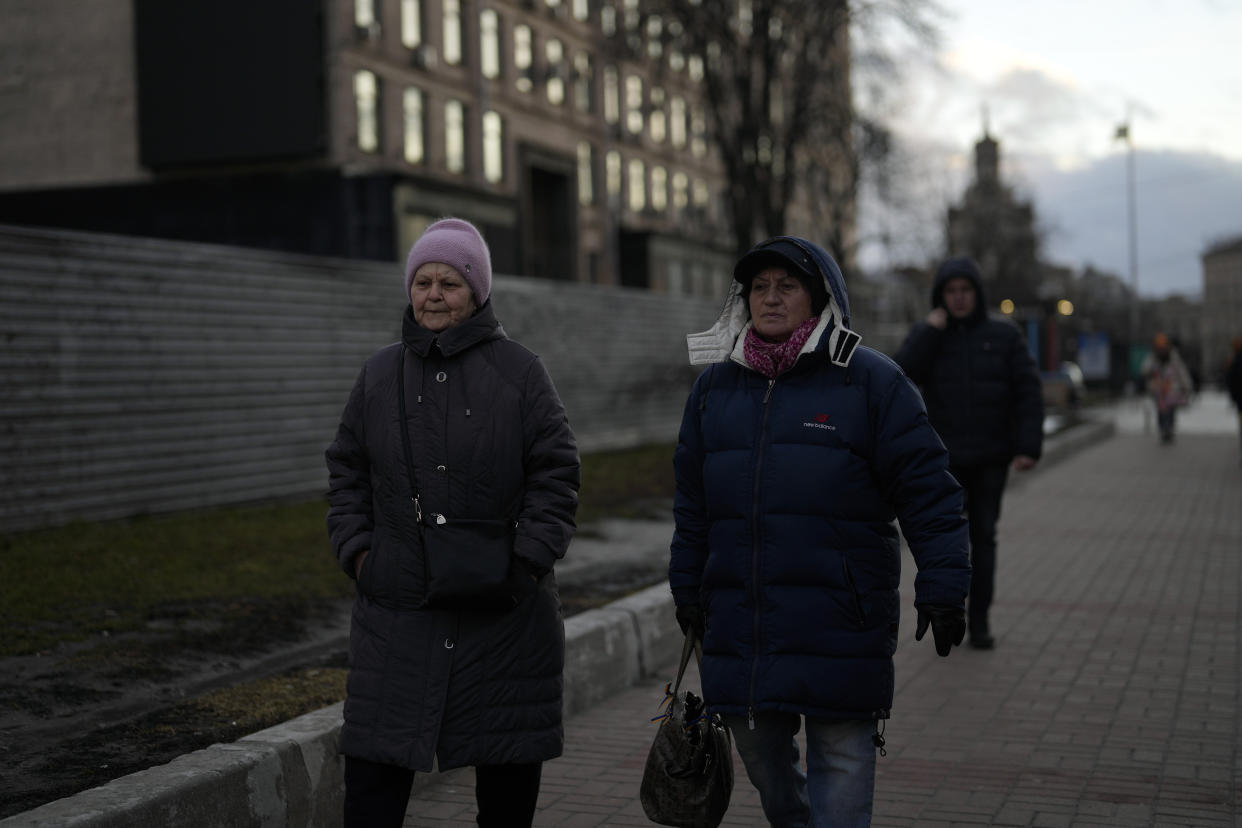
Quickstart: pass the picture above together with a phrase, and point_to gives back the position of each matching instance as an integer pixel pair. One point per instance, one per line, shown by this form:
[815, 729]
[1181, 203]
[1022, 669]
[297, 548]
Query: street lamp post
[1123, 134]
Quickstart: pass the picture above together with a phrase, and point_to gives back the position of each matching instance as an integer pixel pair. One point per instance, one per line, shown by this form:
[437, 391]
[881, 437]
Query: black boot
[980, 638]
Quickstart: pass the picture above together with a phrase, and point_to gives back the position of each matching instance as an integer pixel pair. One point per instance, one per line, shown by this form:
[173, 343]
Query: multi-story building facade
[343, 127]
[1222, 303]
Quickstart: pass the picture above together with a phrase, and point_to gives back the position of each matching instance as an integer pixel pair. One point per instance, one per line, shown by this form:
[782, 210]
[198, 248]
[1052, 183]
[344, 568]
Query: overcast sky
[1055, 79]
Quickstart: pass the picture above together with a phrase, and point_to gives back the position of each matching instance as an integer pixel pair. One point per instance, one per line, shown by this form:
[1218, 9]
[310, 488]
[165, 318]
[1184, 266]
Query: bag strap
[409, 455]
[405, 435]
[692, 644]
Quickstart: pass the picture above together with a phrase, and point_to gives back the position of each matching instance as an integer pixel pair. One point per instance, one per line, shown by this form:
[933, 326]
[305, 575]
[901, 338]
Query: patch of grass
[259, 704]
[72, 582]
[622, 483]
[225, 566]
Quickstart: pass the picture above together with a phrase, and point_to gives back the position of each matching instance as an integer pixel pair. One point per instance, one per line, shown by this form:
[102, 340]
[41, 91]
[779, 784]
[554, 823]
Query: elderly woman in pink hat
[452, 492]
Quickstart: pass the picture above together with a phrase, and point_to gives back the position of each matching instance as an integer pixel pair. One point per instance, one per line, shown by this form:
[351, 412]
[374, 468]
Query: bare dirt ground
[84, 714]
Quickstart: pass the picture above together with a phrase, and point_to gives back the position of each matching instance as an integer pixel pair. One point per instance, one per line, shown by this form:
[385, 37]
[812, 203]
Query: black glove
[692, 621]
[948, 625]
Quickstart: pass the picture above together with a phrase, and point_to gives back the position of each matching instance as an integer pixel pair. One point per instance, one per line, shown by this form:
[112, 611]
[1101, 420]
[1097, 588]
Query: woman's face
[440, 296]
[778, 304]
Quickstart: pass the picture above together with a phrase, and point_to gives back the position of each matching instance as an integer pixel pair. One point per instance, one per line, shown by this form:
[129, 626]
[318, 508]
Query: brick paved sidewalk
[1111, 699]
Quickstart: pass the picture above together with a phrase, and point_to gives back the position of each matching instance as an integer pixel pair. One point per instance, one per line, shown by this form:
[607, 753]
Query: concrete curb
[291, 774]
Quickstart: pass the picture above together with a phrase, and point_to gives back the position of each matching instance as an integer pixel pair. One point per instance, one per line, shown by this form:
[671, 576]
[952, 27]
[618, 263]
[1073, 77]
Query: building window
[493, 148]
[366, 97]
[659, 188]
[454, 137]
[608, 19]
[586, 183]
[698, 133]
[582, 9]
[632, 15]
[554, 52]
[411, 23]
[677, 121]
[452, 32]
[612, 100]
[634, 104]
[681, 187]
[584, 75]
[745, 18]
[489, 43]
[364, 13]
[658, 122]
[694, 68]
[413, 106]
[655, 30]
[676, 60]
[523, 57]
[700, 193]
[612, 174]
[637, 186]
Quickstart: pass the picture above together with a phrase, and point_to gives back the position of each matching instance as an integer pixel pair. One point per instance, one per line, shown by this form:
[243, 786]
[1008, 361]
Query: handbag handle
[691, 644]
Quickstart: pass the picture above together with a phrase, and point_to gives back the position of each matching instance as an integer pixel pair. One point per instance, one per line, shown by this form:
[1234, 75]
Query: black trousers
[377, 795]
[984, 486]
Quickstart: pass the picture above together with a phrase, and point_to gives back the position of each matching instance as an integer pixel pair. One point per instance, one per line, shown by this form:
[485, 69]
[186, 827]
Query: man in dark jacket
[984, 398]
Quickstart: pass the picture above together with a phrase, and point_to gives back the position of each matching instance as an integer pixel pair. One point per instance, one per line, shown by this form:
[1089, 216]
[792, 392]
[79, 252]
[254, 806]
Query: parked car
[1065, 387]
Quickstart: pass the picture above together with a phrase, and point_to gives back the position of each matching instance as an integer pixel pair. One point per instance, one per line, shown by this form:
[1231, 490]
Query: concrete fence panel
[141, 376]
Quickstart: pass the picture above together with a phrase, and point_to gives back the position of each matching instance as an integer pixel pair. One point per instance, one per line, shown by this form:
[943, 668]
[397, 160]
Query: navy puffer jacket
[786, 495]
[489, 439]
[978, 379]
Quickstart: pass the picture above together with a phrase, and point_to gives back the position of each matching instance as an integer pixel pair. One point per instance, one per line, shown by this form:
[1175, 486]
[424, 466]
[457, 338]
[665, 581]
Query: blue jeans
[838, 785]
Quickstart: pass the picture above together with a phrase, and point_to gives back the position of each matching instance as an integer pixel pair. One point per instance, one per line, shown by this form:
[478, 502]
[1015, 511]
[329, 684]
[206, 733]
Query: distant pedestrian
[984, 398]
[455, 430]
[797, 450]
[1233, 377]
[1168, 383]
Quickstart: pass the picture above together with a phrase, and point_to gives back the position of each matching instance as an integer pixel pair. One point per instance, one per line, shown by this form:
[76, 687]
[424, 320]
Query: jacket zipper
[754, 573]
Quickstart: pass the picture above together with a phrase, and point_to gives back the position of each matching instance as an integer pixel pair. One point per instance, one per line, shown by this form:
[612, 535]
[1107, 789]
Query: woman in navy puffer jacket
[798, 448]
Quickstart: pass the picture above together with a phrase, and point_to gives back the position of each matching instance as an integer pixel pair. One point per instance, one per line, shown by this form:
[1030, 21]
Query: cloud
[1184, 202]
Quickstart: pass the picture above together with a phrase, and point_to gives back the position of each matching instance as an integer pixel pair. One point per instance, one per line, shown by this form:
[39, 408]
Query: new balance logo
[820, 421]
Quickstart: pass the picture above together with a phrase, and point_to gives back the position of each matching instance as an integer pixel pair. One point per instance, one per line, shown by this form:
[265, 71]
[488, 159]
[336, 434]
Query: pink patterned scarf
[774, 358]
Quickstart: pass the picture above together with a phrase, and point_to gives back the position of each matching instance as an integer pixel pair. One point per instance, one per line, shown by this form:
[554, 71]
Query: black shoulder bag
[688, 778]
[466, 561]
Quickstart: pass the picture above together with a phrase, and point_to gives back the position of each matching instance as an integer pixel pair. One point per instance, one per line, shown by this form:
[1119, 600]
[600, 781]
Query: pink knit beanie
[457, 243]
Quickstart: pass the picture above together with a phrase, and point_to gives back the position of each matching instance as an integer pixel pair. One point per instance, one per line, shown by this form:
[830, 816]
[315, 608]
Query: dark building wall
[319, 212]
[226, 81]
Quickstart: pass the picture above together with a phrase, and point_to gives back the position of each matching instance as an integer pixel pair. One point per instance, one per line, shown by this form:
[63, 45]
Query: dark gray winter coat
[490, 439]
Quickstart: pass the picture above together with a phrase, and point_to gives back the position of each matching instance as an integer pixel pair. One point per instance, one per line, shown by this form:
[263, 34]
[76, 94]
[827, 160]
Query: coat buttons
[441, 377]
[441, 468]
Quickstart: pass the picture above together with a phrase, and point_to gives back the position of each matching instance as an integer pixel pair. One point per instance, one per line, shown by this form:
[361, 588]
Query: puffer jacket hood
[964, 267]
[833, 333]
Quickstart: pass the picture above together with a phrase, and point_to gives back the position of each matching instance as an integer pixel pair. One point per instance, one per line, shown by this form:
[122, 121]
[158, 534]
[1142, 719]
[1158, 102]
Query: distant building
[343, 127]
[997, 231]
[1222, 302]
